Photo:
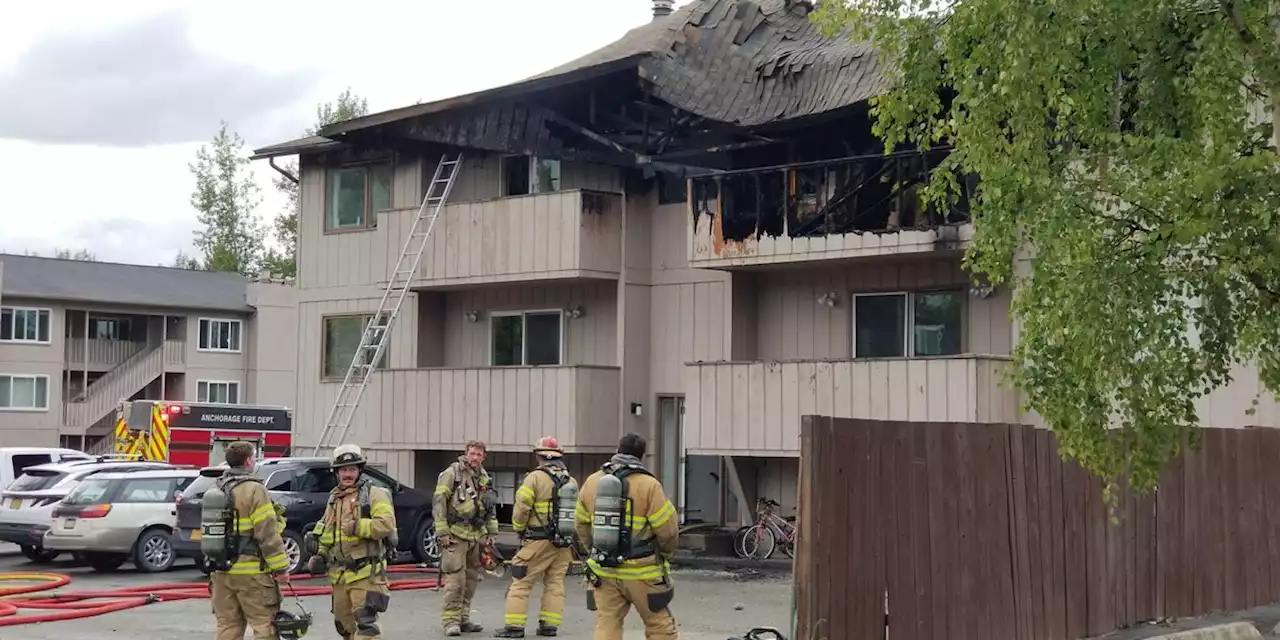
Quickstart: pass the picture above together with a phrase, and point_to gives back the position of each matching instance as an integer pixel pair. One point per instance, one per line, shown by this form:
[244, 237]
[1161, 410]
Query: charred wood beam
[725, 148]
[577, 128]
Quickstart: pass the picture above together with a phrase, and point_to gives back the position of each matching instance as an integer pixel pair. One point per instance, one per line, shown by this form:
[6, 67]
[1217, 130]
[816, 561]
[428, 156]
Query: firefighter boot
[509, 632]
[468, 626]
[452, 629]
[546, 630]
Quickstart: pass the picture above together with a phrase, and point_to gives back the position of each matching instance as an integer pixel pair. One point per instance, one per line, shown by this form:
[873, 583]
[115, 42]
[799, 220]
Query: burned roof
[746, 62]
[743, 62]
[57, 279]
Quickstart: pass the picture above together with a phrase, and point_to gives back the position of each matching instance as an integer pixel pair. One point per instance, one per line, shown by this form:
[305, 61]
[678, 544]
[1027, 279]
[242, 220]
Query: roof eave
[311, 144]
[506, 91]
[246, 309]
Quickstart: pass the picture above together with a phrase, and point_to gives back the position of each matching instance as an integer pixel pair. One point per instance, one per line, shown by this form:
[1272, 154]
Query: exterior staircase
[101, 398]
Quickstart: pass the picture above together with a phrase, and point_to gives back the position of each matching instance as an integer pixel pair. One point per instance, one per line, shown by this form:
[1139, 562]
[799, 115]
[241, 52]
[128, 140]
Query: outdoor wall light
[637, 409]
[472, 316]
[981, 290]
[576, 312]
[828, 299]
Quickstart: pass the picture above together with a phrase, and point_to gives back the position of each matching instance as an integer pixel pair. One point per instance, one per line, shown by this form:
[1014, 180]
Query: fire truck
[197, 433]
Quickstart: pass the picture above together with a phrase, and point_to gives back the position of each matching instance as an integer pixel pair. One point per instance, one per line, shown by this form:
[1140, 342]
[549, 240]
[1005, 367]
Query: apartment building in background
[691, 233]
[76, 337]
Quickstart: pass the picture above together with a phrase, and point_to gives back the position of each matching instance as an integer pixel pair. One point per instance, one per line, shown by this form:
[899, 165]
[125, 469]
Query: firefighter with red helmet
[544, 519]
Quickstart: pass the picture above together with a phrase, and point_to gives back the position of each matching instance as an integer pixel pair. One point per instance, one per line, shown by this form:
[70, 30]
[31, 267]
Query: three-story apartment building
[690, 233]
[76, 337]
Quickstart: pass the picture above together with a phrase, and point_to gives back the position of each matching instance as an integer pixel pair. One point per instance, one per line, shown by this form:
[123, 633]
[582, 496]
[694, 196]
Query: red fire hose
[79, 604]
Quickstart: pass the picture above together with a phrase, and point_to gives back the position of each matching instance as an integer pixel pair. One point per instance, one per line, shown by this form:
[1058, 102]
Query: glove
[316, 565]
[311, 542]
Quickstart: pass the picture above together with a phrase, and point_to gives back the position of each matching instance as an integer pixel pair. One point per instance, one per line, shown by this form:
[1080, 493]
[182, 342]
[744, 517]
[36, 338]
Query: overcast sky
[105, 103]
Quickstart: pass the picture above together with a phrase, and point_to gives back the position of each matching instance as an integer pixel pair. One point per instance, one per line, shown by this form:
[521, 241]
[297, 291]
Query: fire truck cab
[197, 433]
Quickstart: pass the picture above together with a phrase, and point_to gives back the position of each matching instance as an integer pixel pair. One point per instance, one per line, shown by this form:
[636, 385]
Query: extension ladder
[373, 341]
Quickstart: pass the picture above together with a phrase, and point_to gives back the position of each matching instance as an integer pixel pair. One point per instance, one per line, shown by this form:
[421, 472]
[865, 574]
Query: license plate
[15, 503]
[69, 523]
[196, 535]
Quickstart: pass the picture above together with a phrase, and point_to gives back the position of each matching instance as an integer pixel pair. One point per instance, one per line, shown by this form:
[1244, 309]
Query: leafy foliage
[346, 107]
[225, 197]
[1122, 144]
[67, 254]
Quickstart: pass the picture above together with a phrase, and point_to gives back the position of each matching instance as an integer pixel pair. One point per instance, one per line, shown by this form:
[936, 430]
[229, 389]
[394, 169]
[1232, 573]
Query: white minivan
[15, 460]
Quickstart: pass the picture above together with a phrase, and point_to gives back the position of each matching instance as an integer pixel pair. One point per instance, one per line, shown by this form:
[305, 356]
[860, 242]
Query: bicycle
[760, 539]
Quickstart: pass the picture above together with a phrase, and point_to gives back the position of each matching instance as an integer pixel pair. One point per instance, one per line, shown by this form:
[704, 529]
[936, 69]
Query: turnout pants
[613, 600]
[538, 561]
[356, 606]
[460, 564]
[240, 600]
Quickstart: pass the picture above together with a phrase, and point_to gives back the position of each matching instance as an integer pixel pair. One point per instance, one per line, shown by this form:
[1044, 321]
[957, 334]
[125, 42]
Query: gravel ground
[710, 605]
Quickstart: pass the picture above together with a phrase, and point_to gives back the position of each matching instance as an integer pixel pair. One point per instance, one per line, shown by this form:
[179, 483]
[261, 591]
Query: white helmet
[347, 455]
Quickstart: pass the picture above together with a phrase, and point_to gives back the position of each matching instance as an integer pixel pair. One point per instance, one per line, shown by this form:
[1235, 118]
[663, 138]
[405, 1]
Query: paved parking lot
[709, 606]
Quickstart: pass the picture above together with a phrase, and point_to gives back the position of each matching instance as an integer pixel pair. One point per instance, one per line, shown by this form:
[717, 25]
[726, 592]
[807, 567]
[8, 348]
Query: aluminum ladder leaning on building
[373, 341]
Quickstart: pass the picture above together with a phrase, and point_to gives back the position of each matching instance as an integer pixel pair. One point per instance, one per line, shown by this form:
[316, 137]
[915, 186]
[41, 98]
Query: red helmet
[548, 446]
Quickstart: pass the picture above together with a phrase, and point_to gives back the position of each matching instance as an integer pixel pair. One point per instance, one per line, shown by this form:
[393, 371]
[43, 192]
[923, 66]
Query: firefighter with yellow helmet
[543, 517]
[353, 542]
[624, 519]
[466, 520]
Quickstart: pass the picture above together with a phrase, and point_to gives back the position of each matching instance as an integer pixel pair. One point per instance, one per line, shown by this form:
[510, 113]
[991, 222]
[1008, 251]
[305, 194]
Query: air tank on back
[606, 525]
[214, 512]
[566, 508]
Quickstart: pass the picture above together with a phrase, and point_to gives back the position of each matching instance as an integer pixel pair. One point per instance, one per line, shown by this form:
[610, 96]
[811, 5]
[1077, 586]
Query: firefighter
[353, 541]
[630, 530]
[465, 520]
[247, 571]
[545, 526]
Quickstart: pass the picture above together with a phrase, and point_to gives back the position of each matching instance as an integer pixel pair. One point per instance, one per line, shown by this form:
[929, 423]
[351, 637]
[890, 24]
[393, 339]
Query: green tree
[68, 254]
[283, 262]
[184, 261]
[225, 197]
[1115, 143]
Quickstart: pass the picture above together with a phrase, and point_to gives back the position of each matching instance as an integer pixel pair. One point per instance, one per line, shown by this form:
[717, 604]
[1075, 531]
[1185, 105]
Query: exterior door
[671, 449]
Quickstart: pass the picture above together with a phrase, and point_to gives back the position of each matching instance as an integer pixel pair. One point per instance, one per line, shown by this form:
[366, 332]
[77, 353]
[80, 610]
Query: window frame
[122, 326]
[42, 313]
[524, 323]
[208, 385]
[532, 176]
[383, 365]
[202, 333]
[370, 215]
[34, 376]
[908, 318]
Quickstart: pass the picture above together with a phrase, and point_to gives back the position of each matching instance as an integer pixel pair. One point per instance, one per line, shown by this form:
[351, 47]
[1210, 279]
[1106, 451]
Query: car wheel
[425, 547]
[39, 554]
[106, 561]
[293, 550]
[153, 552]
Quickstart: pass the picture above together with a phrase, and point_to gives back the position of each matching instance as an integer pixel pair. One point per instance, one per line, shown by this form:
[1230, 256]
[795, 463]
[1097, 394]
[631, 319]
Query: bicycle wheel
[738, 537]
[787, 537]
[759, 543]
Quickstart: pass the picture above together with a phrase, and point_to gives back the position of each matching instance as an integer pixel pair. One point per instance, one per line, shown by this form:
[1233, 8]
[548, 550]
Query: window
[147, 490]
[528, 338]
[109, 328]
[523, 175]
[24, 324]
[217, 391]
[23, 460]
[219, 335]
[671, 188]
[354, 194]
[36, 480]
[318, 480]
[24, 393]
[342, 336]
[91, 491]
[896, 324]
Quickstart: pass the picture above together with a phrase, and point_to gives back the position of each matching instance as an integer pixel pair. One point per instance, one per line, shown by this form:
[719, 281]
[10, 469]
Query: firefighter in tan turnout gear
[242, 547]
[353, 542]
[544, 519]
[629, 526]
[465, 519]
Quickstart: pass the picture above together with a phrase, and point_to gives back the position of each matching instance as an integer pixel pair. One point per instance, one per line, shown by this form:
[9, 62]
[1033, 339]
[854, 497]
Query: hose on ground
[72, 605]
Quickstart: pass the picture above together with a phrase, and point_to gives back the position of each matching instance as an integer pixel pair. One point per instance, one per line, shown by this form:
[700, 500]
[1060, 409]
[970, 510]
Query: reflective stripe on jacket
[459, 506]
[536, 498]
[260, 525]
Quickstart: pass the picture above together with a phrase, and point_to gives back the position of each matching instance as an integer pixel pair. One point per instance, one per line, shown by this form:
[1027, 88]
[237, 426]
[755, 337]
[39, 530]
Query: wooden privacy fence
[980, 531]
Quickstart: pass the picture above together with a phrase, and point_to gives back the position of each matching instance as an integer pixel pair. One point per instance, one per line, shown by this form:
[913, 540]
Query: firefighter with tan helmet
[624, 519]
[245, 554]
[543, 517]
[353, 542]
[466, 521]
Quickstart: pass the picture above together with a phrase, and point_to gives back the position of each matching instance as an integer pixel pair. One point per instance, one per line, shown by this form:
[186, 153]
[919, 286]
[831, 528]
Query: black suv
[301, 486]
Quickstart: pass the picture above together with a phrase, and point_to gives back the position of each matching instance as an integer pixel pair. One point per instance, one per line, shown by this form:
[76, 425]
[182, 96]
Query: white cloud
[132, 203]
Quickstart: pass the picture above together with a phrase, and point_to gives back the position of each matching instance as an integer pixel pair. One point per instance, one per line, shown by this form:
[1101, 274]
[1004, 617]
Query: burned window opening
[878, 195]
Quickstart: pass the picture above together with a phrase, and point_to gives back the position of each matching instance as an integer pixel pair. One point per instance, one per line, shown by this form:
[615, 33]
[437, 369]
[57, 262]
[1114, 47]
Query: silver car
[113, 518]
